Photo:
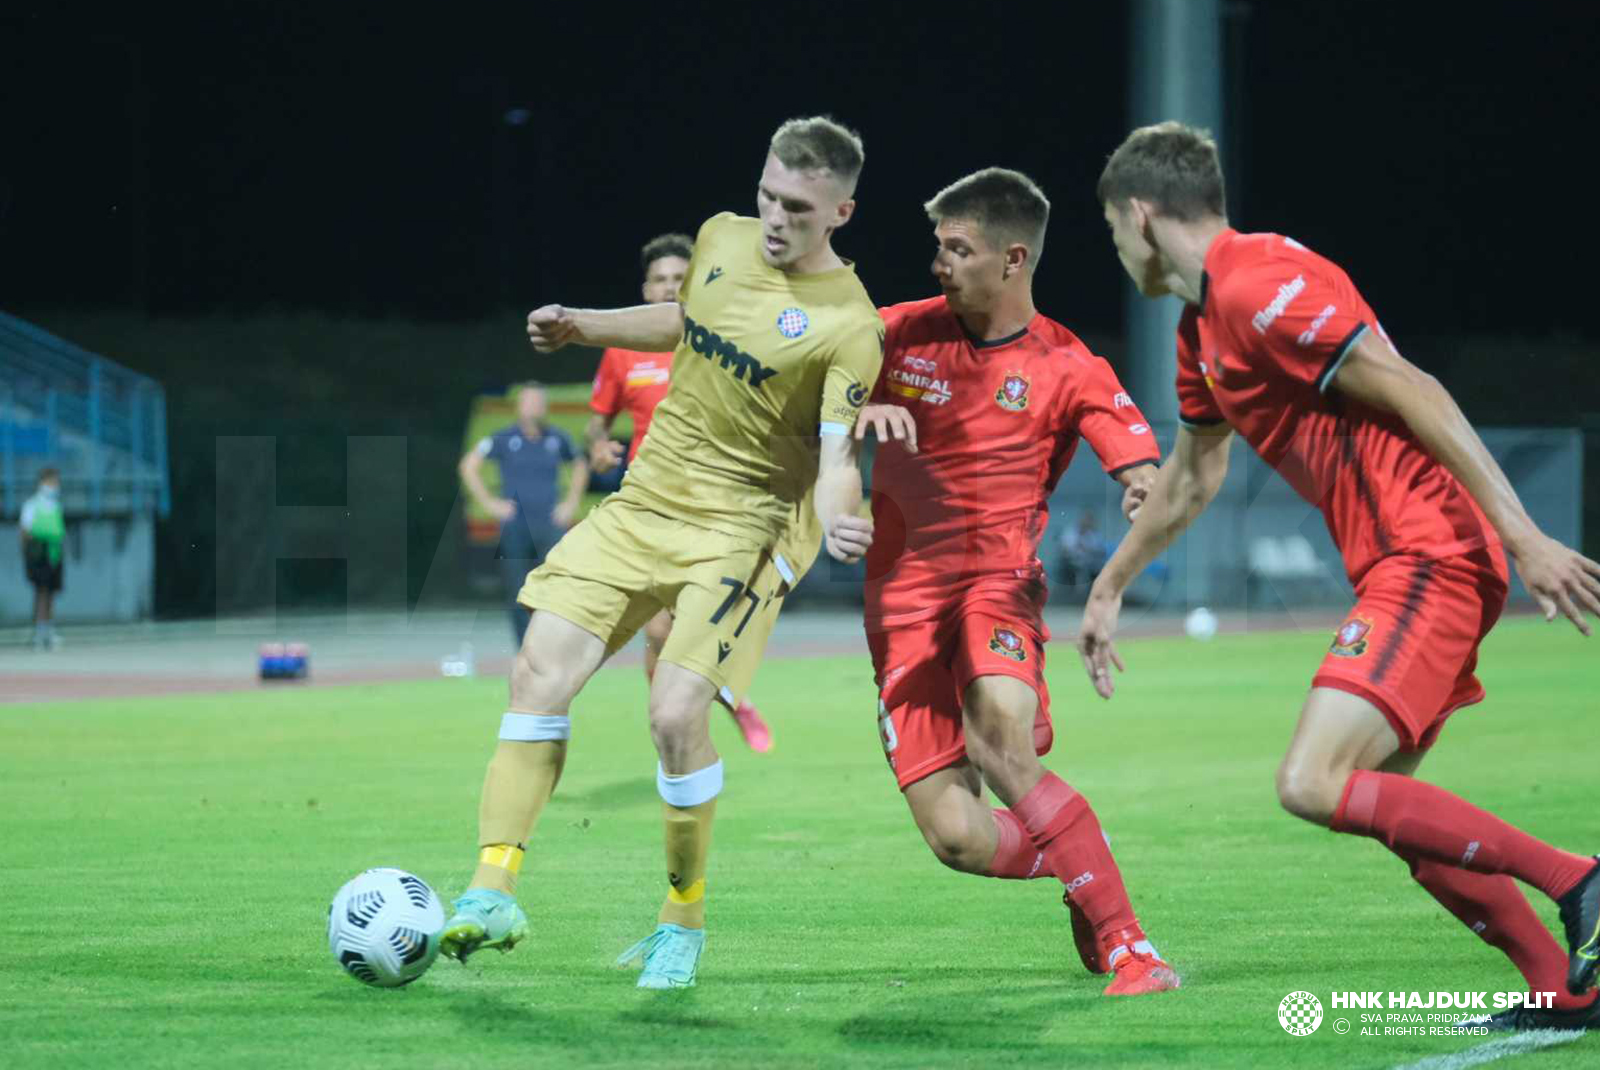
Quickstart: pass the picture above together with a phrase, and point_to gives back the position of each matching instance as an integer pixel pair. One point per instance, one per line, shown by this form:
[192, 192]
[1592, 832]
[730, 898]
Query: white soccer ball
[383, 927]
[1200, 624]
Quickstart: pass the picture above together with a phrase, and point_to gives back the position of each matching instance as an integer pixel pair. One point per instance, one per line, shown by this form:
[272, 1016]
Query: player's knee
[952, 843]
[675, 727]
[1308, 791]
[539, 682]
[999, 742]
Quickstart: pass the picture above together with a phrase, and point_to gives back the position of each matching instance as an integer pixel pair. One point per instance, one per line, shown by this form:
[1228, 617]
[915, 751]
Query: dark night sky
[354, 159]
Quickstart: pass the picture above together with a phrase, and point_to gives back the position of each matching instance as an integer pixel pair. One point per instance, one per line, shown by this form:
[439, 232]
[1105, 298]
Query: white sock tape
[691, 789]
[534, 727]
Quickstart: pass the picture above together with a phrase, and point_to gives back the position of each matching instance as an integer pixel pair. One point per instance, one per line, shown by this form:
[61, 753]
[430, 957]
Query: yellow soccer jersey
[767, 361]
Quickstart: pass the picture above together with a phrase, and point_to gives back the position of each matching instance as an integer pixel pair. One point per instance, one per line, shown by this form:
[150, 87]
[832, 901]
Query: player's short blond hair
[1173, 166]
[665, 245]
[820, 144]
[1007, 206]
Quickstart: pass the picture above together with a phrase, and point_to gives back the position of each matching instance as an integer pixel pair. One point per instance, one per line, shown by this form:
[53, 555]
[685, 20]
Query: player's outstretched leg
[968, 836]
[556, 659]
[1332, 776]
[1493, 907]
[679, 703]
[998, 720]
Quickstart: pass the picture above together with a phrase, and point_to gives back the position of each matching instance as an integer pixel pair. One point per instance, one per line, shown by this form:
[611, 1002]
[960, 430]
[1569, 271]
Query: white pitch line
[1520, 1044]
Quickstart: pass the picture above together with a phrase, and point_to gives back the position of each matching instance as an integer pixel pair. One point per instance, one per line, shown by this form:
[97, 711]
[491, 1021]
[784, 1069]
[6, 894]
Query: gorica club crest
[1013, 393]
[1351, 639]
[1008, 644]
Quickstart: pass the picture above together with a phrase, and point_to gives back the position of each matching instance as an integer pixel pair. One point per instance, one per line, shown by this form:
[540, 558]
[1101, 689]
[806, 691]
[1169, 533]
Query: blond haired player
[776, 345]
[636, 382]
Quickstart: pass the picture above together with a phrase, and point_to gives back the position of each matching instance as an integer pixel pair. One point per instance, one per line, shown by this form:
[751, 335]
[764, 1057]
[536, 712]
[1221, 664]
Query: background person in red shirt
[1277, 344]
[634, 382]
[979, 407]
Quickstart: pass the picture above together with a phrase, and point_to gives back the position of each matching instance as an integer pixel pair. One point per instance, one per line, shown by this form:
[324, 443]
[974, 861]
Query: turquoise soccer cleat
[483, 918]
[671, 955]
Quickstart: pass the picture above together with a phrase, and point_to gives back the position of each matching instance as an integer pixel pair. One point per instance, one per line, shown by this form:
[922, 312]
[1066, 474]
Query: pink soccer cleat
[753, 728]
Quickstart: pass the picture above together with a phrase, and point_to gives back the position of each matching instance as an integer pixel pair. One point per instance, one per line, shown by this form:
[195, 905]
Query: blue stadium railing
[104, 427]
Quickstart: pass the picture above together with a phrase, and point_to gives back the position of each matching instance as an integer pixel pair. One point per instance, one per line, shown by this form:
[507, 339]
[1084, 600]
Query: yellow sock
[519, 782]
[688, 838]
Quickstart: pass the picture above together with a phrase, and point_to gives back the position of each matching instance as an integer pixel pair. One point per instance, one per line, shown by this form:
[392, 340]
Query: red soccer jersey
[997, 424]
[632, 381]
[1274, 323]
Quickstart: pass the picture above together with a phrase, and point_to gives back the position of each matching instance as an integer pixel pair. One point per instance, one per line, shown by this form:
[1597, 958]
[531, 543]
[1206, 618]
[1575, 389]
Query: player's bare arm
[1560, 579]
[891, 423]
[1180, 492]
[1136, 483]
[649, 328]
[837, 500]
[605, 452]
[471, 470]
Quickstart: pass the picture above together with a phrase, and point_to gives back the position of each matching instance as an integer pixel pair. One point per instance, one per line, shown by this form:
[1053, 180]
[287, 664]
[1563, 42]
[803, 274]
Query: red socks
[1016, 858]
[1061, 825]
[1495, 908]
[1417, 819]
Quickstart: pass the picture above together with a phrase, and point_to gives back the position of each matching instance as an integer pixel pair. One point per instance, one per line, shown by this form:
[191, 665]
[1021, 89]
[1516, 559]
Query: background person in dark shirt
[533, 513]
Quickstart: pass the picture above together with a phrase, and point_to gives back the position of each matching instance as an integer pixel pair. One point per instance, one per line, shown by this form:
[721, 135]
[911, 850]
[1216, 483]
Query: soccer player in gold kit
[776, 346]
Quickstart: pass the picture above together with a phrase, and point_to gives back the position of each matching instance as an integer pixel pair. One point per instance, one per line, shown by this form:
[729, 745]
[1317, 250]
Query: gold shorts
[624, 563]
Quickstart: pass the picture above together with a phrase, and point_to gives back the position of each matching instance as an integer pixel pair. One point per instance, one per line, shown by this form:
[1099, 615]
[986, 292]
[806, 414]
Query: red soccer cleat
[1089, 950]
[1139, 973]
[753, 728]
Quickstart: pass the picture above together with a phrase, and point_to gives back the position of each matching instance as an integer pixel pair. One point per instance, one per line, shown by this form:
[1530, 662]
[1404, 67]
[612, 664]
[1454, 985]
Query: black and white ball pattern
[383, 927]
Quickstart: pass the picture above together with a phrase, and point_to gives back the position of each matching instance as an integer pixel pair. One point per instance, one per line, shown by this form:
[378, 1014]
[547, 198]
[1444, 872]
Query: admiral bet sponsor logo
[918, 378]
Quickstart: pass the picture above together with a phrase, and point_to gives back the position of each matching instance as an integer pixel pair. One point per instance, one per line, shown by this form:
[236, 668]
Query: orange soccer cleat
[1139, 973]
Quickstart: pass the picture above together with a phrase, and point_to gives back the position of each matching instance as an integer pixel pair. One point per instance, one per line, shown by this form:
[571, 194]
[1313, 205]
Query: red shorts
[923, 670]
[1410, 644]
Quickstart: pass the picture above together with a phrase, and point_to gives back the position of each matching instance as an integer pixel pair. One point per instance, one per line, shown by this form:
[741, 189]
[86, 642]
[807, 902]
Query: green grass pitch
[167, 865]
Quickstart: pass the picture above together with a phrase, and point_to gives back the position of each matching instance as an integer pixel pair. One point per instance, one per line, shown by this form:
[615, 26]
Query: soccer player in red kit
[1277, 344]
[634, 382]
[980, 406]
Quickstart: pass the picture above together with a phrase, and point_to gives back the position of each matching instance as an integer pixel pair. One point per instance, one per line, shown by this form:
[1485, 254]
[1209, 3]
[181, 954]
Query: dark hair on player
[46, 474]
[1007, 206]
[1173, 166]
[665, 245]
[820, 144]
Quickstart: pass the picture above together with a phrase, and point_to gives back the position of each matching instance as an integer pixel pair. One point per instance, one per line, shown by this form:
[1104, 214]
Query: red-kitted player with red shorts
[635, 382]
[1277, 344]
[980, 406]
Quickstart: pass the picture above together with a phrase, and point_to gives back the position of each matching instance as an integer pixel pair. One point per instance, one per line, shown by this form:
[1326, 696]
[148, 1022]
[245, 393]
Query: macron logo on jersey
[1286, 293]
[712, 346]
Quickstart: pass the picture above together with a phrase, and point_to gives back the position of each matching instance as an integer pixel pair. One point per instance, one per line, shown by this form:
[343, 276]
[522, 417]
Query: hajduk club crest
[1008, 644]
[1351, 640]
[1013, 393]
